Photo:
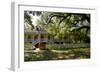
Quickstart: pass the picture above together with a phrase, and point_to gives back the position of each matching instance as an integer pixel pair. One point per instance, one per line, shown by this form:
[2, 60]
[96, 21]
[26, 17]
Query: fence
[80, 45]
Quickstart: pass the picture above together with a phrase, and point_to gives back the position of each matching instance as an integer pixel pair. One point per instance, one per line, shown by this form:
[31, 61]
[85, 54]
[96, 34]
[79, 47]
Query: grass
[56, 54]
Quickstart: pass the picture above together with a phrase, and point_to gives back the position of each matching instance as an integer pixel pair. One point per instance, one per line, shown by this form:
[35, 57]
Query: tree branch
[55, 15]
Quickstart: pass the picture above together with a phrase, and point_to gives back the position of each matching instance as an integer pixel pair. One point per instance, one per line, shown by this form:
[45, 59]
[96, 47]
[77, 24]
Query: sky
[34, 18]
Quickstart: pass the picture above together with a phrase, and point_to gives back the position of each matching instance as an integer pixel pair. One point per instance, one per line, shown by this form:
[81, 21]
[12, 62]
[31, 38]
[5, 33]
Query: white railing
[69, 45]
[34, 41]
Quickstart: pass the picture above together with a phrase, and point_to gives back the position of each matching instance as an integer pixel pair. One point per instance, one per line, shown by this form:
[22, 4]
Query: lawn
[56, 54]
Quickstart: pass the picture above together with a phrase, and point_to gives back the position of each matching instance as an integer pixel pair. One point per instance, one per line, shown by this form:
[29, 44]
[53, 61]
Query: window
[36, 36]
[42, 37]
[29, 37]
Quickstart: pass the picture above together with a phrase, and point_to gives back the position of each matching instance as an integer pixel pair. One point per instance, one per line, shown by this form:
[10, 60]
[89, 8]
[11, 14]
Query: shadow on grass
[79, 53]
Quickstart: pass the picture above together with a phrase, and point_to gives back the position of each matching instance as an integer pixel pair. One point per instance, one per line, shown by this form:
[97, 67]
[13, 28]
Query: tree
[62, 25]
[28, 18]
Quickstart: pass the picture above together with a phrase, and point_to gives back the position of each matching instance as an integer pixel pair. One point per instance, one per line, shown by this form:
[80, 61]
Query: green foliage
[61, 25]
[44, 55]
[27, 17]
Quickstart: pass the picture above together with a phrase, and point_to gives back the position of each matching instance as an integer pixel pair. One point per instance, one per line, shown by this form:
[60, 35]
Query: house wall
[32, 37]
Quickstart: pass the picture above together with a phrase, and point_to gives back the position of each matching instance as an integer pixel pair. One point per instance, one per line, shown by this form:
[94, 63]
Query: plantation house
[37, 37]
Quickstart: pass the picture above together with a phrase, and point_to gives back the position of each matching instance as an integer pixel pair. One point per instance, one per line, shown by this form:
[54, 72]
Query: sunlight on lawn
[79, 53]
